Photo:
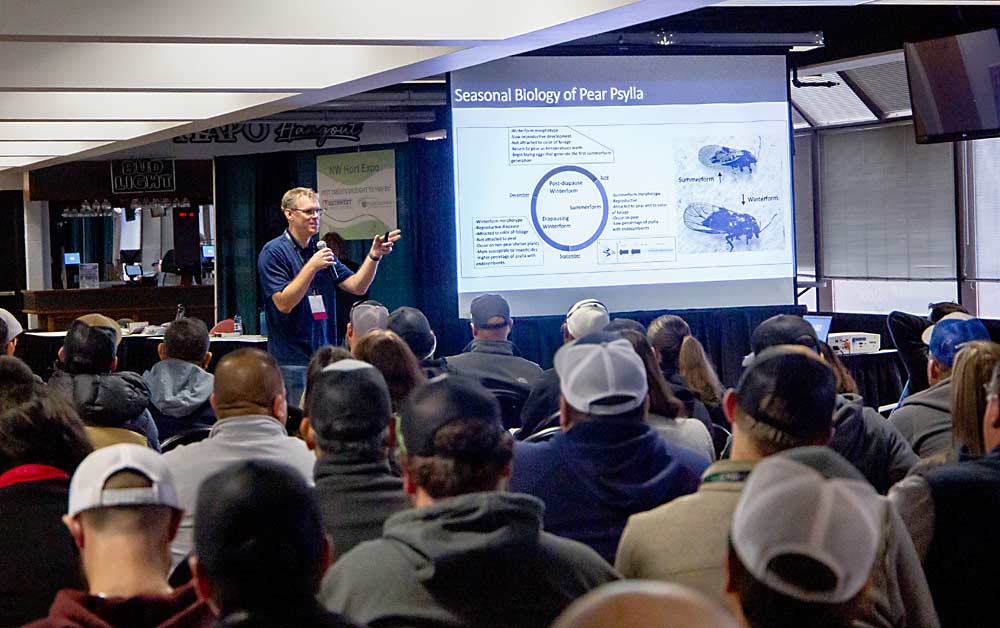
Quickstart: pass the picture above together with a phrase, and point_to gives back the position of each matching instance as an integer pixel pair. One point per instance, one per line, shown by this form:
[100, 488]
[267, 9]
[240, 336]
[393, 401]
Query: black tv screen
[955, 86]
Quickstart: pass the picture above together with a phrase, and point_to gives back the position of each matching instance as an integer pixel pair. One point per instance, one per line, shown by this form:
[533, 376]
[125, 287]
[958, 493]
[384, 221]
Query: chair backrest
[225, 326]
[543, 435]
[107, 436]
[511, 402]
[185, 438]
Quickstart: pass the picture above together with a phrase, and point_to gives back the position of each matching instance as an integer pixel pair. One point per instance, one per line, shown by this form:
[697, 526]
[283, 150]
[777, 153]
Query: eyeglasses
[309, 213]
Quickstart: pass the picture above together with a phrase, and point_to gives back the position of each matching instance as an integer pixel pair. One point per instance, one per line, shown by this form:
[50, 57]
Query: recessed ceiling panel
[831, 105]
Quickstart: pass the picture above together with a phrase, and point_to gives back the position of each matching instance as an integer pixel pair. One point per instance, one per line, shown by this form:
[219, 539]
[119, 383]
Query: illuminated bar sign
[140, 176]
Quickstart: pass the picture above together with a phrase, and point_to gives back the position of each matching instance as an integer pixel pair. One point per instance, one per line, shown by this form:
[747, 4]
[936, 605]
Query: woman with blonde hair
[970, 374]
[687, 369]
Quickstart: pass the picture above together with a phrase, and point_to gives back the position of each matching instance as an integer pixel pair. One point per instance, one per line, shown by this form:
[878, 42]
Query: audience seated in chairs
[260, 552]
[179, 386]
[123, 513]
[348, 428]
[387, 352]
[860, 434]
[924, 418]
[113, 406]
[494, 359]
[784, 400]
[666, 412]
[42, 441]
[249, 401]
[586, 317]
[468, 553]
[608, 462]
[951, 511]
[910, 337]
[412, 326]
[810, 566]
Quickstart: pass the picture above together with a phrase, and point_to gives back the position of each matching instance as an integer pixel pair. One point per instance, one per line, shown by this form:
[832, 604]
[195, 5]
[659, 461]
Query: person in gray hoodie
[467, 554]
[179, 385]
[924, 418]
[869, 442]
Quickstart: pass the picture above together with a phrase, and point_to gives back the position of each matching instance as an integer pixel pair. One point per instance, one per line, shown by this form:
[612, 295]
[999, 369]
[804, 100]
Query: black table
[136, 353]
[878, 375]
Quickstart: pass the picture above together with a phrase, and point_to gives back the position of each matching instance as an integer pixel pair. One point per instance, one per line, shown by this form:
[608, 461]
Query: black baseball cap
[412, 326]
[444, 399]
[783, 329]
[91, 344]
[487, 306]
[791, 391]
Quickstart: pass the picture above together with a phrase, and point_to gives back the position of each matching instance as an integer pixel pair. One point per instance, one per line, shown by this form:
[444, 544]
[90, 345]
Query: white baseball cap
[347, 364]
[954, 316]
[600, 367]
[789, 508]
[14, 328]
[86, 489]
[587, 317]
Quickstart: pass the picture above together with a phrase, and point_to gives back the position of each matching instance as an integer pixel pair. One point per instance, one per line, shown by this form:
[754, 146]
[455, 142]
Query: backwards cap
[788, 508]
[601, 374]
[86, 489]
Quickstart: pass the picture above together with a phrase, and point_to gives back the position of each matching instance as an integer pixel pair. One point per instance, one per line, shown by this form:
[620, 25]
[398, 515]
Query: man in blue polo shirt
[299, 283]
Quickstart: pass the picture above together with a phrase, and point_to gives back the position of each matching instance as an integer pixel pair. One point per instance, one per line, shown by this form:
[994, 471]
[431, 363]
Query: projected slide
[648, 182]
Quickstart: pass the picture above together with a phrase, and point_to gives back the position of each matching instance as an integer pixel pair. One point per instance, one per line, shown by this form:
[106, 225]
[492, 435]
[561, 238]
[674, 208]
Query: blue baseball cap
[950, 334]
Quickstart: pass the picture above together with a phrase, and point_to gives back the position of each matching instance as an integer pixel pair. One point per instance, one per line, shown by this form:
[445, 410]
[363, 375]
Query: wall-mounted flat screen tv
[955, 86]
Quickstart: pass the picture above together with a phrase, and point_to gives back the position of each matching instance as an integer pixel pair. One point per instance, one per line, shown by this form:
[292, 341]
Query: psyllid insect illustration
[708, 218]
[736, 159]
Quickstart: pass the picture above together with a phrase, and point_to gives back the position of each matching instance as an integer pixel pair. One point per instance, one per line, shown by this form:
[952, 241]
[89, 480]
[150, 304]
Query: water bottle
[238, 324]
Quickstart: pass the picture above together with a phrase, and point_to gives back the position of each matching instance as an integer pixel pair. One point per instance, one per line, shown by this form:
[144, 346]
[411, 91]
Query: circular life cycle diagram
[569, 208]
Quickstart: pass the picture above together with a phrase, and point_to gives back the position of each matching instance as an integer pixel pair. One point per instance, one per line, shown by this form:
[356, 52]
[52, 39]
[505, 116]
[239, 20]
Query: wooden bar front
[56, 309]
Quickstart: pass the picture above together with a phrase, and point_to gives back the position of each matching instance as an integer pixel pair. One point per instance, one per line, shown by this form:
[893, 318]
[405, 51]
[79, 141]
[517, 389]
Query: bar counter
[56, 309]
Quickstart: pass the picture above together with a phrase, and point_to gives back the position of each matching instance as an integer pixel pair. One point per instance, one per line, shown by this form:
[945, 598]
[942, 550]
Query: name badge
[317, 307]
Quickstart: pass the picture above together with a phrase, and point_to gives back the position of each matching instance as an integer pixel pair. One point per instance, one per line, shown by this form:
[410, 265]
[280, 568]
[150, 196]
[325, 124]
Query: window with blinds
[805, 250]
[887, 205]
[985, 186]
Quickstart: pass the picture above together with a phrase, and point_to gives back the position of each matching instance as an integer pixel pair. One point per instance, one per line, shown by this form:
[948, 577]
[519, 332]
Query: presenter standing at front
[299, 282]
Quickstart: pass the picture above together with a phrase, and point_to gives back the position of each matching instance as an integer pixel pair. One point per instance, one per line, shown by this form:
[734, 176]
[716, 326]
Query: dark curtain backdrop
[421, 271]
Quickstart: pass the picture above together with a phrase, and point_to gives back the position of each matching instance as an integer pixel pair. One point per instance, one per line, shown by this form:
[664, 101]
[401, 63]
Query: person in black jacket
[347, 427]
[260, 551]
[42, 441]
[911, 336]
[85, 377]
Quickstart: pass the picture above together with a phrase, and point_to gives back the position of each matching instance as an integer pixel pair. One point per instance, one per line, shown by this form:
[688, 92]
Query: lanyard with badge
[315, 300]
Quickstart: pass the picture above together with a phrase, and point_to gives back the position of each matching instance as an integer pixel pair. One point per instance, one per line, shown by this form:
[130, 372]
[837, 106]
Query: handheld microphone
[320, 245]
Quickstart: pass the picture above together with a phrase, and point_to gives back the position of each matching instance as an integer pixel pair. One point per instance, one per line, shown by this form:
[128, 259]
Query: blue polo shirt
[292, 338]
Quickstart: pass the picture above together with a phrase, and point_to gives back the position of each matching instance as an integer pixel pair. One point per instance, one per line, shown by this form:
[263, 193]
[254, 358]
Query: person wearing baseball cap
[782, 405]
[541, 409]
[491, 357]
[468, 553]
[412, 326]
[364, 317]
[10, 329]
[113, 405]
[911, 334]
[860, 434]
[348, 428]
[607, 462]
[123, 513]
[924, 418]
[802, 546]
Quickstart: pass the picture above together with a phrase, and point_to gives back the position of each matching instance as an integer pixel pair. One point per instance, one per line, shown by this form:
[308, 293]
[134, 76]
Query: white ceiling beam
[135, 106]
[381, 22]
[187, 67]
[80, 131]
[15, 162]
[45, 149]
[579, 23]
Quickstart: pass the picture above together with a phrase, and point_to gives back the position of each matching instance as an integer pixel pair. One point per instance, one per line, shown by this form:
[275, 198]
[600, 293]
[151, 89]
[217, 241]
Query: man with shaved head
[249, 401]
